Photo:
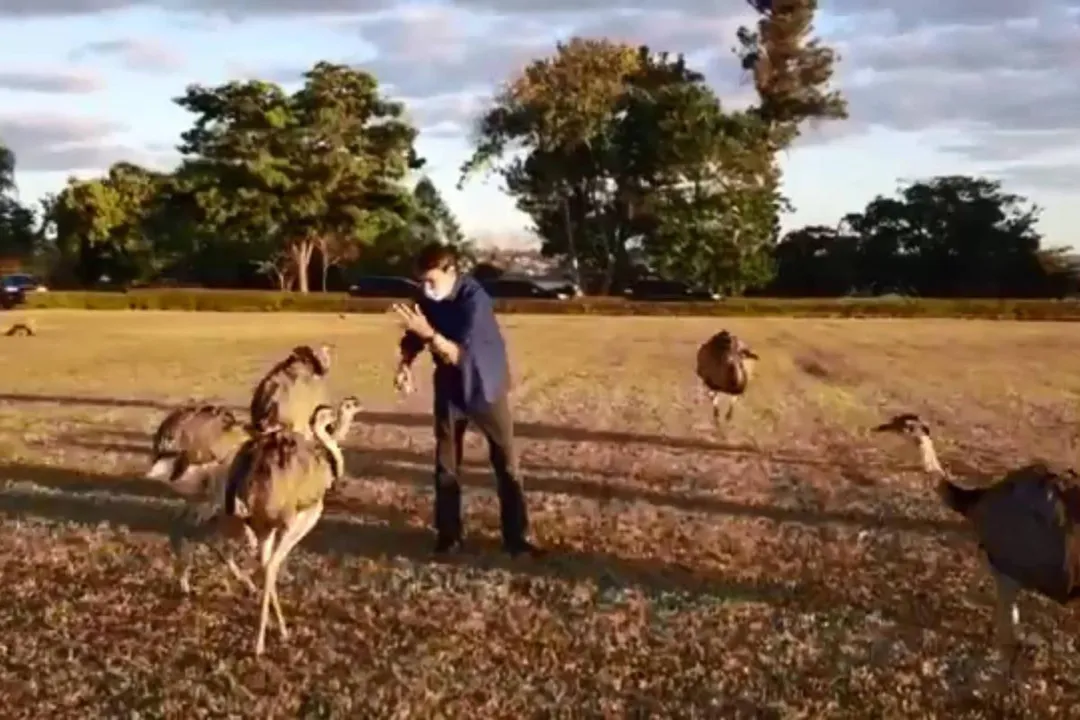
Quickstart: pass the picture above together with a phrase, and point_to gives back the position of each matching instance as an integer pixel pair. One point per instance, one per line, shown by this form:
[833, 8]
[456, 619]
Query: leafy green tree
[548, 134]
[792, 69]
[100, 225]
[433, 219]
[625, 150]
[317, 171]
[948, 236]
[18, 234]
[817, 261]
[7, 170]
[706, 214]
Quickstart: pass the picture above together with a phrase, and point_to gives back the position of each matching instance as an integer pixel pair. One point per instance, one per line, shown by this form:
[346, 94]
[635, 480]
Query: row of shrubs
[268, 301]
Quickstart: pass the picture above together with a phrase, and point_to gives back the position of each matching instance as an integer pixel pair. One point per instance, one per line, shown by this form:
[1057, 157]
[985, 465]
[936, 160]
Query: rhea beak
[884, 427]
[162, 469]
[750, 354]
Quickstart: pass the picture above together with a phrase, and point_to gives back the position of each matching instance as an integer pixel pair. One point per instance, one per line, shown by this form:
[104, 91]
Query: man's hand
[403, 380]
[413, 320]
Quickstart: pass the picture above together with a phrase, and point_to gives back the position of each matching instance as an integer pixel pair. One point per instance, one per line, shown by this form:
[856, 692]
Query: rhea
[1027, 524]
[276, 488]
[190, 444]
[725, 364]
[287, 395]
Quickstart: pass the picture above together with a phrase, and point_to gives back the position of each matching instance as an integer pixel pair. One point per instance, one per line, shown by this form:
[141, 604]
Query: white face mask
[437, 294]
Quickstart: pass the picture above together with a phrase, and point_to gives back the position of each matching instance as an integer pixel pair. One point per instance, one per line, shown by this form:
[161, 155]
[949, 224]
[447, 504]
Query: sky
[935, 87]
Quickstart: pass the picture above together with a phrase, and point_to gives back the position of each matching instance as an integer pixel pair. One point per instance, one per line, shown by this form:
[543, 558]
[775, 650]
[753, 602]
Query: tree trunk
[570, 238]
[324, 255]
[301, 260]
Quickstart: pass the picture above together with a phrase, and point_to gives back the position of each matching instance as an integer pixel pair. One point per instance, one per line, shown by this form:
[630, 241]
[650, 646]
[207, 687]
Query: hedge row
[266, 301]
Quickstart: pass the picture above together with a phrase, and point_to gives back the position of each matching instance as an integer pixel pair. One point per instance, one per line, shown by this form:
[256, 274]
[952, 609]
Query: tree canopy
[624, 158]
[948, 236]
[614, 150]
[17, 223]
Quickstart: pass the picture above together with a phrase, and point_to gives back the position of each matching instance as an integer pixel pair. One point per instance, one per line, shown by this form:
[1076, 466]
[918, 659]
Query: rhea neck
[929, 457]
[954, 496]
[342, 424]
[324, 437]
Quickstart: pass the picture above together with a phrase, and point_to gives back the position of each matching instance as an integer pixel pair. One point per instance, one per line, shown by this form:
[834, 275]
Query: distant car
[384, 286]
[656, 290]
[530, 288]
[14, 288]
[10, 297]
[22, 281]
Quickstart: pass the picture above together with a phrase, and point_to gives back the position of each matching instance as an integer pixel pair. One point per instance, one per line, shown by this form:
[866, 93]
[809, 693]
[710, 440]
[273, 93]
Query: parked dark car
[10, 297]
[15, 286]
[24, 281]
[655, 290]
[384, 286]
[530, 288]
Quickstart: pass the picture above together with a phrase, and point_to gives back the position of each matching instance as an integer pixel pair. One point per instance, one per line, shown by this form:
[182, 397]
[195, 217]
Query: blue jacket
[466, 318]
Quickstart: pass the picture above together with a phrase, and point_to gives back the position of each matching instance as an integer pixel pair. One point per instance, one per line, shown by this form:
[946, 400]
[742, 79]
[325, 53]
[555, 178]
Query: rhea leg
[266, 550]
[1006, 621]
[302, 524]
[180, 541]
[731, 408]
[717, 399]
[273, 557]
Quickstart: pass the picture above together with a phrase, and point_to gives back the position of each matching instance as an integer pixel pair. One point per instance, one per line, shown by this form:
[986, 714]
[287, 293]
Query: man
[455, 320]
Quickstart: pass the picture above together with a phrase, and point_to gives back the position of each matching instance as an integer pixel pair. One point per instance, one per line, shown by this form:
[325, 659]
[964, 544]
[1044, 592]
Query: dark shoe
[449, 546]
[522, 547]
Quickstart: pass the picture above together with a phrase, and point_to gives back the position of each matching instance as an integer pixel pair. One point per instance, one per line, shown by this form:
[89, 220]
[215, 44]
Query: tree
[948, 236]
[561, 112]
[7, 170]
[791, 69]
[705, 208]
[628, 149]
[433, 220]
[817, 261]
[100, 224]
[316, 169]
[792, 72]
[17, 232]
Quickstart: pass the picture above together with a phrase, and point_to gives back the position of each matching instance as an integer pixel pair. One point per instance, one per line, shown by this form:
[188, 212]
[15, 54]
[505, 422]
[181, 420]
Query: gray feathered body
[722, 364]
[290, 392]
[1029, 526]
[276, 475]
[194, 434]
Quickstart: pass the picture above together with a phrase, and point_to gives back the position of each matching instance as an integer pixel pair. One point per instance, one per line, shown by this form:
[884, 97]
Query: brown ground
[792, 566]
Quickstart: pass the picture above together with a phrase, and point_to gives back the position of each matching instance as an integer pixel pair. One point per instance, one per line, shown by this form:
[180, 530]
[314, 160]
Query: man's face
[438, 282]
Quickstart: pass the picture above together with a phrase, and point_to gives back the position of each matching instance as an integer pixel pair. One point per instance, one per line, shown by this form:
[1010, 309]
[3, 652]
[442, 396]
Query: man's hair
[434, 256]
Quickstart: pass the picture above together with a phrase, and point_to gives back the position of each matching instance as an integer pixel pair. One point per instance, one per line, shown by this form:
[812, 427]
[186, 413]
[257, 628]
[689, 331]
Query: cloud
[138, 55]
[1001, 76]
[1056, 177]
[447, 60]
[236, 9]
[924, 13]
[51, 143]
[58, 82]
[281, 74]
[446, 116]
[435, 50]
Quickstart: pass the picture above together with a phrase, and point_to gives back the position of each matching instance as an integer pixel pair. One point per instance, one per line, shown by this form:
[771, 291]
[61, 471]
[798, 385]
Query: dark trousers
[497, 426]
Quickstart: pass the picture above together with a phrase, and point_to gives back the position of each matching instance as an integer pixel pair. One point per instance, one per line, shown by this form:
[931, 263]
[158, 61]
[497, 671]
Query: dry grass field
[791, 566]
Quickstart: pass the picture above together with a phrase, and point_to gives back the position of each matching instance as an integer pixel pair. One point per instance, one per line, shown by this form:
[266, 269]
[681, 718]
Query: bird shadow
[407, 468]
[604, 485]
[533, 430]
[384, 532]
